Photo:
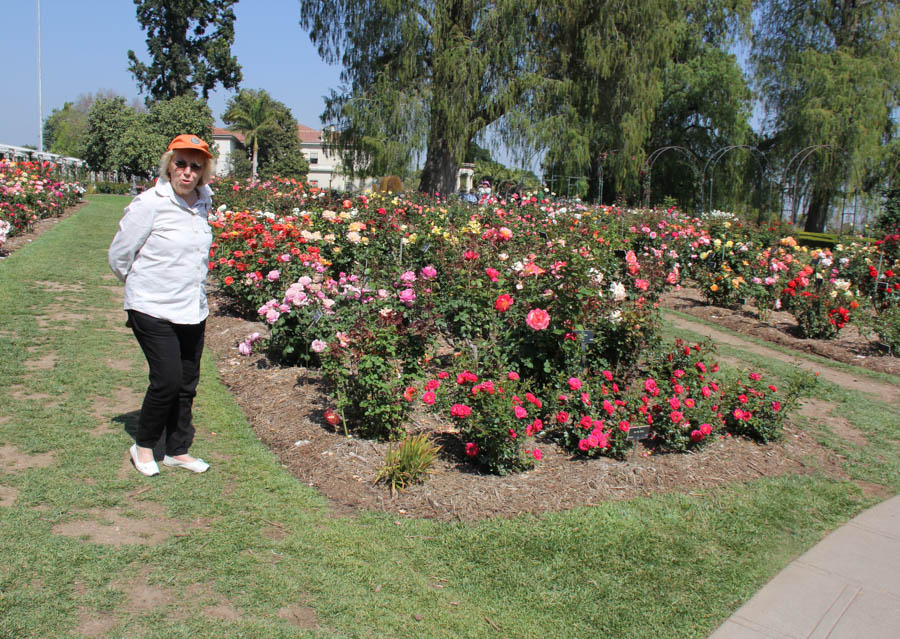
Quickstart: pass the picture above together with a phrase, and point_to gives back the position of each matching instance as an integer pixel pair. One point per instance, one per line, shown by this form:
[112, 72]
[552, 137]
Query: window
[313, 158]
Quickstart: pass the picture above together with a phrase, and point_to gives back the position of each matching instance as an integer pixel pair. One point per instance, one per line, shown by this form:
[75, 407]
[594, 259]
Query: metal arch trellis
[806, 153]
[718, 155]
[655, 155]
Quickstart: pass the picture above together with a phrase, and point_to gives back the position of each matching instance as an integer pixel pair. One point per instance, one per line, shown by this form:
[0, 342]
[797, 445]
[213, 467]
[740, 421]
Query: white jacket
[161, 252]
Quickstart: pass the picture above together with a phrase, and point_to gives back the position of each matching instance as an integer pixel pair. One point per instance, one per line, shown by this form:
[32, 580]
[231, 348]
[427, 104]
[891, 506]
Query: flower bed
[29, 191]
[486, 314]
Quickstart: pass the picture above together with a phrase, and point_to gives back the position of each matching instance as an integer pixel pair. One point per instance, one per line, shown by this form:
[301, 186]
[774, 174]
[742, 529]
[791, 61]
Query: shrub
[496, 419]
[410, 463]
[756, 410]
[589, 417]
[679, 398]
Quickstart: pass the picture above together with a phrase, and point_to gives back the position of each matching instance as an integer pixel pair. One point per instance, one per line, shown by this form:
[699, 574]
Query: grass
[662, 566]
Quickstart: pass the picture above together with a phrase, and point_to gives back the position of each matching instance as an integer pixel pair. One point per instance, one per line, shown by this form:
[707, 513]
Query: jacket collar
[164, 189]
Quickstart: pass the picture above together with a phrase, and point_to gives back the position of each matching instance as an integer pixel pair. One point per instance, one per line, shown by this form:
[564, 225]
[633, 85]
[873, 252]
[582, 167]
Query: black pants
[173, 353]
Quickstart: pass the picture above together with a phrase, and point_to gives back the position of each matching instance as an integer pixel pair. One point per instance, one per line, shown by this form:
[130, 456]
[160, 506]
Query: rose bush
[30, 191]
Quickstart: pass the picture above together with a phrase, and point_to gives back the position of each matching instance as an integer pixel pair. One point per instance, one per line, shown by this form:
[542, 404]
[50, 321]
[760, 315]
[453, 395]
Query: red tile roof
[308, 135]
[219, 132]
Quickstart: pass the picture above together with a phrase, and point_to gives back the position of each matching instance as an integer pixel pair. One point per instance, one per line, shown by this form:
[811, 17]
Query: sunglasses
[183, 164]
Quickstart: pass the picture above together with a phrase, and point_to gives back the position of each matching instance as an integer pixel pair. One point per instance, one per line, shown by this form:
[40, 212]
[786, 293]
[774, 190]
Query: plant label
[637, 433]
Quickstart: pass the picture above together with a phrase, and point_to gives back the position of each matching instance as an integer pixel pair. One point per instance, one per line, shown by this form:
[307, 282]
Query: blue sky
[84, 48]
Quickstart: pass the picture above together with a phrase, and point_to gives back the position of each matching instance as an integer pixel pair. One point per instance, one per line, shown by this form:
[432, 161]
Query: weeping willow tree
[829, 75]
[424, 75]
[608, 67]
[619, 65]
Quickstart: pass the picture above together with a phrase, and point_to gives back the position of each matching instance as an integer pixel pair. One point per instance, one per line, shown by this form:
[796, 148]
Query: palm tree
[250, 113]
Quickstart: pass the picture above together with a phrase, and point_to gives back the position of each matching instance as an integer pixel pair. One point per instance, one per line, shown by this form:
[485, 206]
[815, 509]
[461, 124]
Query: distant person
[161, 253]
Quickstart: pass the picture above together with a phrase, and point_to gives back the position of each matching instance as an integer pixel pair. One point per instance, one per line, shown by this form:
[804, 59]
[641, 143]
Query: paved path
[846, 587]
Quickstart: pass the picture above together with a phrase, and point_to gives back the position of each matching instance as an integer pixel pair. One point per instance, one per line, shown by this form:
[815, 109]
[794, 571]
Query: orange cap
[187, 141]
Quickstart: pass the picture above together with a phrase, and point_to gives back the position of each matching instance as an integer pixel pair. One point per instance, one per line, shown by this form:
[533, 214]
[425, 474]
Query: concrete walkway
[845, 587]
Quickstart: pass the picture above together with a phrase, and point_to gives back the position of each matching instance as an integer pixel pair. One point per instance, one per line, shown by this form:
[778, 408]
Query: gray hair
[166, 160]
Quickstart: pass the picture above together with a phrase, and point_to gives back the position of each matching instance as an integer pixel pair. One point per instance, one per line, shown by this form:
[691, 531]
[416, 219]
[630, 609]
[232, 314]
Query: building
[225, 142]
[324, 167]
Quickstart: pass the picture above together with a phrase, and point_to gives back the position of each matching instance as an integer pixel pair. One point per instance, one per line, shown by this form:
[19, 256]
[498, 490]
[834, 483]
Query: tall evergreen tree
[190, 48]
[829, 74]
[430, 74]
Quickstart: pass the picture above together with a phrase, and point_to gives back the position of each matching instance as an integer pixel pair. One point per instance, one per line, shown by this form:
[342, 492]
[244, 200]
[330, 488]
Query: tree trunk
[439, 172]
[255, 157]
[817, 213]
[595, 177]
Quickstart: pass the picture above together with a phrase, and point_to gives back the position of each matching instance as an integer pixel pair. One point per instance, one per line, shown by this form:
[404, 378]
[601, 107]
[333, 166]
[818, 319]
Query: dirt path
[849, 380]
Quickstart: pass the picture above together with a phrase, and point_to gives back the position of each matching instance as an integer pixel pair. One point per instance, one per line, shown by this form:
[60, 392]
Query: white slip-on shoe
[198, 465]
[149, 469]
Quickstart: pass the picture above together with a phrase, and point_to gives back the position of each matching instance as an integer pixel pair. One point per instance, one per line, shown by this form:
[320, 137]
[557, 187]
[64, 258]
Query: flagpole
[40, 109]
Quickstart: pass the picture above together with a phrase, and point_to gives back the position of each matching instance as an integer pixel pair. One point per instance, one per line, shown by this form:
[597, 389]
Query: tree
[65, 129]
[611, 65]
[270, 131]
[705, 109]
[190, 48]
[429, 74]
[108, 120]
[251, 114]
[184, 114]
[137, 152]
[828, 76]
[122, 138]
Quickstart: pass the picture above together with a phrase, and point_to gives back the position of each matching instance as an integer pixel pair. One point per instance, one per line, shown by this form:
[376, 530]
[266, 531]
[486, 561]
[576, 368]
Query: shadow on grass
[129, 423]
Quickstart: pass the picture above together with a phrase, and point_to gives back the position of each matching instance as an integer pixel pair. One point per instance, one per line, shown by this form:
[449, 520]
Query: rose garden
[473, 392]
[519, 321]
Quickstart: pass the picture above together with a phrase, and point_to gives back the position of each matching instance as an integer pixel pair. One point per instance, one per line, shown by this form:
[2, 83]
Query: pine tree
[189, 42]
[828, 74]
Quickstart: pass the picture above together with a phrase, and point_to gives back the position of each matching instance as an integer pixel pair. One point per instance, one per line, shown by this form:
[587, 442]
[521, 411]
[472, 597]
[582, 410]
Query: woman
[161, 252]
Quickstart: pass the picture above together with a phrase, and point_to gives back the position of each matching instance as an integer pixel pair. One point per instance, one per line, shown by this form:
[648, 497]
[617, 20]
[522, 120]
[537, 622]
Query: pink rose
[538, 319]
[428, 397]
[471, 449]
[574, 383]
[429, 272]
[492, 273]
[273, 276]
[520, 412]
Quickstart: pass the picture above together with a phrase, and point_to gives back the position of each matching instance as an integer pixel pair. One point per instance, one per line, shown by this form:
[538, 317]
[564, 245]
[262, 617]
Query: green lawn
[666, 566]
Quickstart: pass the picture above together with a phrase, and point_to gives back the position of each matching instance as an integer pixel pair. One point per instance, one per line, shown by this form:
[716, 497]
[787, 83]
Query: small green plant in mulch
[409, 463]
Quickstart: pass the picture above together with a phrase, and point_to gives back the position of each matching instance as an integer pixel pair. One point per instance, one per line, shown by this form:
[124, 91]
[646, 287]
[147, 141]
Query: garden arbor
[714, 160]
[655, 155]
[791, 183]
